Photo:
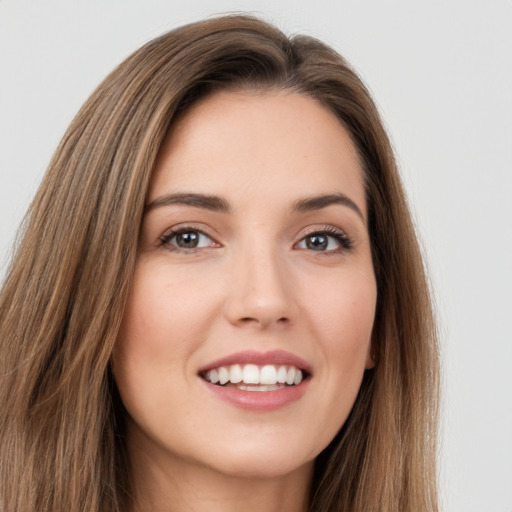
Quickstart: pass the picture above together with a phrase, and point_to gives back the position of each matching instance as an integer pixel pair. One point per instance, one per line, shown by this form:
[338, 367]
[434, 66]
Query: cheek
[343, 314]
[342, 318]
[155, 335]
[164, 323]
[165, 316]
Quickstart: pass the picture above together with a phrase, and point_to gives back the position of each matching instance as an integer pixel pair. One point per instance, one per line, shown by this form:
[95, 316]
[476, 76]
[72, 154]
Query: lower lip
[258, 400]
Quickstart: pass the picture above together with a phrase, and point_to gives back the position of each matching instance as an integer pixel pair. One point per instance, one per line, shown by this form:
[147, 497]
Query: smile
[252, 377]
[281, 377]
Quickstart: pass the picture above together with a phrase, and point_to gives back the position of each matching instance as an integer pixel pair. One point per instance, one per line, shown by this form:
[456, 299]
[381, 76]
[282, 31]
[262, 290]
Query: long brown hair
[61, 423]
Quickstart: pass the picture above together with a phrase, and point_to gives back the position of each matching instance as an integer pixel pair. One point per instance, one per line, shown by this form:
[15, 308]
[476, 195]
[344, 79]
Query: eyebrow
[213, 203]
[217, 204]
[318, 202]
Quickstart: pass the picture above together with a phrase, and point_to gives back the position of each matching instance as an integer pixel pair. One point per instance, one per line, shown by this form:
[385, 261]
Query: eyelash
[167, 237]
[340, 236]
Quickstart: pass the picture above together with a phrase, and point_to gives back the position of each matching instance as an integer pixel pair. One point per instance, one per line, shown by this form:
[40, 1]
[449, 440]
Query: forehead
[276, 142]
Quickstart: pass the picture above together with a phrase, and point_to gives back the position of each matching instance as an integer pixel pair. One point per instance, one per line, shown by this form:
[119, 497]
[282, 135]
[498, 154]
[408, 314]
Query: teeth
[260, 388]
[235, 374]
[268, 374]
[251, 374]
[254, 378]
[281, 374]
[214, 377]
[223, 375]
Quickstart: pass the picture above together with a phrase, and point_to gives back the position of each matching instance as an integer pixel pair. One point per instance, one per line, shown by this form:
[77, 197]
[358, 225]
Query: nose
[261, 292]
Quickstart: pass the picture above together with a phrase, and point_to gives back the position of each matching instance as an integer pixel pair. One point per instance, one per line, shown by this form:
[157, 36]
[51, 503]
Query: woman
[218, 302]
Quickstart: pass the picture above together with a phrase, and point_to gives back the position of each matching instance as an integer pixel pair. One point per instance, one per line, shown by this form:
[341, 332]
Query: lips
[280, 378]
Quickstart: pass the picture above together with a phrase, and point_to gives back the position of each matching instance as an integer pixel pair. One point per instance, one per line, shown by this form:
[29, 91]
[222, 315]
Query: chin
[262, 462]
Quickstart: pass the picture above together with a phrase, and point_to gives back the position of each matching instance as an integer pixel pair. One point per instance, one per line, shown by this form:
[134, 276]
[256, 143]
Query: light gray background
[442, 76]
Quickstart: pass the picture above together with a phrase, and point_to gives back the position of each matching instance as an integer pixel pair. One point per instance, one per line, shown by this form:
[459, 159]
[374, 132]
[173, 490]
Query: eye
[326, 241]
[187, 238]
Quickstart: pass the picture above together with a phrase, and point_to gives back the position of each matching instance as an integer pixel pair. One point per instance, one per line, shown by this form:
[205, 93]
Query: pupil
[316, 242]
[188, 240]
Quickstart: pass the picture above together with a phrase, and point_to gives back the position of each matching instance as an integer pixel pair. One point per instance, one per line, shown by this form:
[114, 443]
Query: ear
[371, 355]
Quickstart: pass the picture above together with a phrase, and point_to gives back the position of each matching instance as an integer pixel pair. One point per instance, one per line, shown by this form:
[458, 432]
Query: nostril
[248, 319]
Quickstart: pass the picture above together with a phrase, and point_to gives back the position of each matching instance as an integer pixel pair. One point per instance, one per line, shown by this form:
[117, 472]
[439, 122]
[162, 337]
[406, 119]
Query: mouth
[253, 377]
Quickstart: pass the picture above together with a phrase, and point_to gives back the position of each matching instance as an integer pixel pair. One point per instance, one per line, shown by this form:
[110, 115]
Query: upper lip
[275, 357]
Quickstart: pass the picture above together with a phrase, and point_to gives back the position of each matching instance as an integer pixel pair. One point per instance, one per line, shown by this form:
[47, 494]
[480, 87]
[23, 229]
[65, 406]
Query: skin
[252, 284]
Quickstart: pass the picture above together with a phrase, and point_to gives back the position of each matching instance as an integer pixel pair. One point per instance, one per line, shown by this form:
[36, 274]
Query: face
[247, 330]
